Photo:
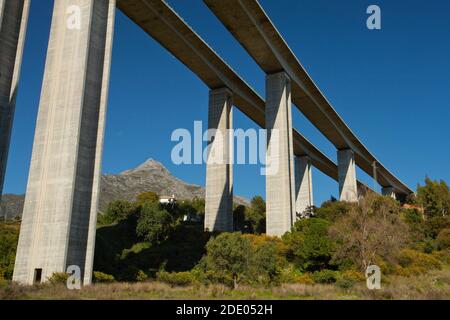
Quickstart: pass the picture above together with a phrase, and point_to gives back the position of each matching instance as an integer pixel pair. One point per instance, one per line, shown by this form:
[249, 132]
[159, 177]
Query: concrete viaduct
[60, 212]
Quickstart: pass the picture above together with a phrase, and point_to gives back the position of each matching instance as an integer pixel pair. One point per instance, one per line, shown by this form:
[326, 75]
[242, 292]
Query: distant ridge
[151, 175]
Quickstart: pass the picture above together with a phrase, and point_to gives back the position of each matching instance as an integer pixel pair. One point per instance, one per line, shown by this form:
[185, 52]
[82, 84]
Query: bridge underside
[59, 218]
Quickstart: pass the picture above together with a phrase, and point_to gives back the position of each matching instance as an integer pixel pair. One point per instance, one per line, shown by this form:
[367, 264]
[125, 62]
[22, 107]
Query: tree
[147, 196]
[434, 196]
[332, 210]
[154, 223]
[309, 246]
[443, 239]
[267, 258]
[239, 219]
[9, 236]
[256, 214]
[199, 205]
[120, 210]
[229, 255]
[371, 230]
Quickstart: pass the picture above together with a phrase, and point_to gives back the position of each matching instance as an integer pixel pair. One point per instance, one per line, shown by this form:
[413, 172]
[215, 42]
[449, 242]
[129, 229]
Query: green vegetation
[149, 243]
[9, 237]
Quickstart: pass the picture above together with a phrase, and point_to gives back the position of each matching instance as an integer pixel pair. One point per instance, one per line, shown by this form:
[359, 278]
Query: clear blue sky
[391, 86]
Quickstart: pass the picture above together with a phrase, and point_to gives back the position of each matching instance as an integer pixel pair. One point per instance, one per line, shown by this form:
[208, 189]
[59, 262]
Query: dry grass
[434, 285]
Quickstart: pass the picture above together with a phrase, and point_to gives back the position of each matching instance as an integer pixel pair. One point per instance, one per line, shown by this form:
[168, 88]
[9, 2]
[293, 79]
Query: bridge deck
[251, 26]
[163, 24]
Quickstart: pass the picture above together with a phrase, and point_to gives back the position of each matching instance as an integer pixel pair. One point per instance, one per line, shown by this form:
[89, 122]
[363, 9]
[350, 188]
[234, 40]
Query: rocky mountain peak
[151, 175]
[149, 165]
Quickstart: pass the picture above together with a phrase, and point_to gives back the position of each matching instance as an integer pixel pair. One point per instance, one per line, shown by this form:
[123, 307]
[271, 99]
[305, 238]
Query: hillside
[149, 176]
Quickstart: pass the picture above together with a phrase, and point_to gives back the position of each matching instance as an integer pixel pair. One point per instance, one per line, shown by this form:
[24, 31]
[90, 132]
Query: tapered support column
[13, 24]
[348, 190]
[219, 167]
[280, 184]
[59, 217]
[303, 185]
[389, 192]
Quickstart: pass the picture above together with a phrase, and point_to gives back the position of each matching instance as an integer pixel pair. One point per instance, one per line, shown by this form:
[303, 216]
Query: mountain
[149, 176]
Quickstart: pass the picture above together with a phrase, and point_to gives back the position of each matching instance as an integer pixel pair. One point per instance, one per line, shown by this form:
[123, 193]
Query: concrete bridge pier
[303, 185]
[219, 167]
[389, 192]
[348, 189]
[13, 25]
[280, 184]
[59, 217]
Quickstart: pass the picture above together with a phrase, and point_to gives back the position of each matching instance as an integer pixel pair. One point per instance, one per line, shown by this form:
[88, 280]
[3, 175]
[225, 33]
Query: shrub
[229, 255]
[324, 276]
[9, 236]
[305, 278]
[103, 277]
[118, 210]
[141, 276]
[443, 239]
[348, 278]
[435, 224]
[176, 278]
[412, 262]
[332, 210]
[154, 222]
[147, 196]
[268, 259]
[58, 278]
[308, 245]
[443, 256]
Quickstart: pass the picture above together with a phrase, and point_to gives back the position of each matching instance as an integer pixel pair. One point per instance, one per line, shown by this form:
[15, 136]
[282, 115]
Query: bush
[308, 245]
[443, 256]
[9, 236]
[325, 276]
[58, 278]
[332, 210]
[434, 225]
[268, 259]
[141, 276]
[349, 278]
[147, 196]
[412, 262]
[290, 274]
[443, 239]
[176, 278]
[117, 211]
[103, 277]
[154, 222]
[229, 254]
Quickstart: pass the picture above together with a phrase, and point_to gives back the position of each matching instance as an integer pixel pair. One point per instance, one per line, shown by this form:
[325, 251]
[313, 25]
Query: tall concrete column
[280, 183]
[303, 184]
[348, 189]
[13, 25]
[219, 167]
[58, 223]
[389, 192]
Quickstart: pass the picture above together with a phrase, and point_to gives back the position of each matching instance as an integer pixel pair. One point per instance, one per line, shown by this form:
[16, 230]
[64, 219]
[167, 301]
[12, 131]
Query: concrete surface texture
[250, 25]
[303, 185]
[13, 25]
[219, 167]
[280, 184]
[58, 226]
[348, 190]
